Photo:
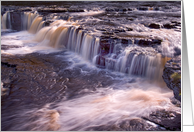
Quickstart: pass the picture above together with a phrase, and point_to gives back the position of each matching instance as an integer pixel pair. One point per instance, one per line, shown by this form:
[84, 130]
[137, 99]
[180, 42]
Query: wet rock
[4, 91]
[136, 124]
[147, 42]
[169, 26]
[104, 49]
[8, 65]
[100, 29]
[124, 41]
[52, 10]
[25, 9]
[109, 10]
[157, 8]
[75, 10]
[48, 22]
[117, 10]
[176, 23]
[172, 76]
[176, 102]
[129, 29]
[177, 51]
[169, 120]
[107, 33]
[117, 30]
[143, 8]
[129, 9]
[154, 25]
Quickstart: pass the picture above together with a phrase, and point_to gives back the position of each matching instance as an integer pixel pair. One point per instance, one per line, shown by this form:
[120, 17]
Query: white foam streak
[109, 106]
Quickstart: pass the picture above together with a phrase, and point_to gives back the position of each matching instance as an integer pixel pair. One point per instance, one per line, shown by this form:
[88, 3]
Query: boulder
[172, 76]
[169, 120]
[169, 26]
[155, 26]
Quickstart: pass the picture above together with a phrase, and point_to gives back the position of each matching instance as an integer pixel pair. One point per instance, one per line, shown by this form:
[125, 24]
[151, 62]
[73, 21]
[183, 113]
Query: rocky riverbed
[33, 80]
[108, 66]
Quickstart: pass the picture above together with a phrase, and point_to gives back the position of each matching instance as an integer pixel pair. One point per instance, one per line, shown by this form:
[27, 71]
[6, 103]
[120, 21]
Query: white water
[107, 105]
[6, 21]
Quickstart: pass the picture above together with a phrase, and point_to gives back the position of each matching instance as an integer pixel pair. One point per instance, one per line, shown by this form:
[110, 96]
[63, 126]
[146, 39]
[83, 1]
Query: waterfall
[63, 34]
[6, 21]
[139, 63]
[32, 22]
[130, 60]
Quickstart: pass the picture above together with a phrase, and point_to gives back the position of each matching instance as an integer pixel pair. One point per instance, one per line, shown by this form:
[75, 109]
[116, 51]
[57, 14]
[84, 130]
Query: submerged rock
[172, 76]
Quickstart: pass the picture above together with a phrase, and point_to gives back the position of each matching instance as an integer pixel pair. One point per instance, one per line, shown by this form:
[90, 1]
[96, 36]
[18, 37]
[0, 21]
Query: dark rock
[129, 9]
[176, 102]
[104, 48]
[177, 51]
[109, 10]
[117, 10]
[124, 41]
[129, 29]
[25, 9]
[48, 22]
[14, 22]
[143, 8]
[136, 124]
[172, 76]
[107, 33]
[100, 29]
[100, 61]
[155, 26]
[147, 42]
[156, 8]
[169, 26]
[52, 10]
[118, 30]
[175, 22]
[143, 42]
[169, 120]
[8, 65]
[75, 10]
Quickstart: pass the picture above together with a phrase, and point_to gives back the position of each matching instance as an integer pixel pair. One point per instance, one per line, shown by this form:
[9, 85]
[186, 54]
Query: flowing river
[87, 65]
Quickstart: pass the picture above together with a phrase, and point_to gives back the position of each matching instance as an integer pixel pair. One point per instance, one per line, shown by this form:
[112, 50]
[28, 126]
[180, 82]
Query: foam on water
[104, 106]
[87, 13]
[25, 40]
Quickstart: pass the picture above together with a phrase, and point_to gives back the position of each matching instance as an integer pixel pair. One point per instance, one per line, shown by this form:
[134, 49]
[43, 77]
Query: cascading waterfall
[123, 89]
[66, 34]
[146, 63]
[61, 34]
[32, 22]
[6, 21]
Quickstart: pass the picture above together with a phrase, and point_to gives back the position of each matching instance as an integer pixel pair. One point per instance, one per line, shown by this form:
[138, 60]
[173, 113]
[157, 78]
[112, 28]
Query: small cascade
[6, 21]
[134, 61]
[32, 22]
[63, 34]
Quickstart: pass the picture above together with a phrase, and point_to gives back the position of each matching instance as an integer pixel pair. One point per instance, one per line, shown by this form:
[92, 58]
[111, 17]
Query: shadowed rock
[155, 26]
[172, 76]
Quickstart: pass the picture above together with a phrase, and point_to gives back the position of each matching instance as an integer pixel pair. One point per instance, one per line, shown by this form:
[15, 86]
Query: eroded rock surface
[172, 76]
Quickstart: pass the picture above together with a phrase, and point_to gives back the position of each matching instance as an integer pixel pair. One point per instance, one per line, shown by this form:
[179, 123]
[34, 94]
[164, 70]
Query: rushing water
[97, 88]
